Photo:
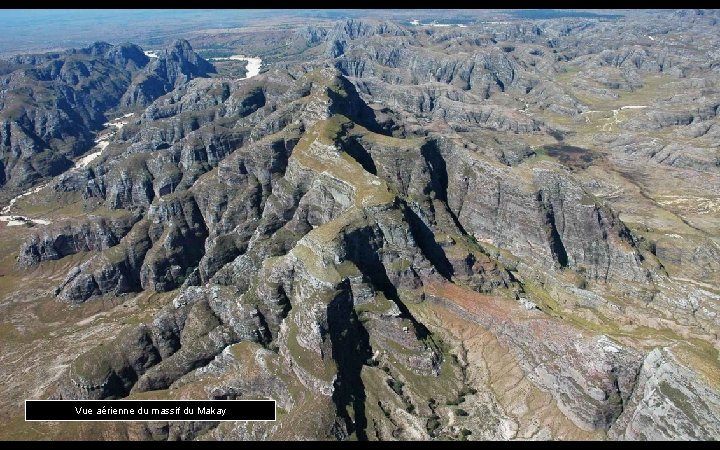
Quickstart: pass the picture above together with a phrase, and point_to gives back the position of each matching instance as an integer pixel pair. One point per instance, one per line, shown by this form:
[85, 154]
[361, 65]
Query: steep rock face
[56, 106]
[313, 297]
[485, 73]
[186, 334]
[707, 109]
[349, 30]
[110, 372]
[312, 35]
[174, 66]
[130, 184]
[554, 216]
[591, 237]
[437, 101]
[159, 253]
[51, 109]
[115, 270]
[177, 233]
[668, 403]
[96, 234]
[155, 181]
[189, 334]
[635, 57]
[232, 202]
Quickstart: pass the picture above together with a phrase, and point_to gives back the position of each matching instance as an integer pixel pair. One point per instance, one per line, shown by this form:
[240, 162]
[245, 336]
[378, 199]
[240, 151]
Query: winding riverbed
[253, 64]
[102, 141]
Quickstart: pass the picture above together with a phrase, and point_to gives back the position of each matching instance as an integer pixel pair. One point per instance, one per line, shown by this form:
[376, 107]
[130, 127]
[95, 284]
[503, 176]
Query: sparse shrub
[461, 412]
[433, 424]
[582, 283]
[396, 385]
[615, 399]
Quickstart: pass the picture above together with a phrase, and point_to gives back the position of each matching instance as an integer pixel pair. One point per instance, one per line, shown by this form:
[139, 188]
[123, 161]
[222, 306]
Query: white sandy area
[253, 64]
[435, 24]
[15, 220]
[87, 159]
[116, 123]
[34, 190]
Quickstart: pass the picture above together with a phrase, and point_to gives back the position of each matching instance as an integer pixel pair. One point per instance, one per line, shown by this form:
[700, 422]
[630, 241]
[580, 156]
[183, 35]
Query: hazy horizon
[23, 30]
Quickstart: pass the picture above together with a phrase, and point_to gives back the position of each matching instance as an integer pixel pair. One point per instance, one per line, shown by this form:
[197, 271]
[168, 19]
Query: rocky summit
[494, 230]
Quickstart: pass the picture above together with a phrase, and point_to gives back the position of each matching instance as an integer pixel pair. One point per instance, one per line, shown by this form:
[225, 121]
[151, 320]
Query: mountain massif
[506, 230]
